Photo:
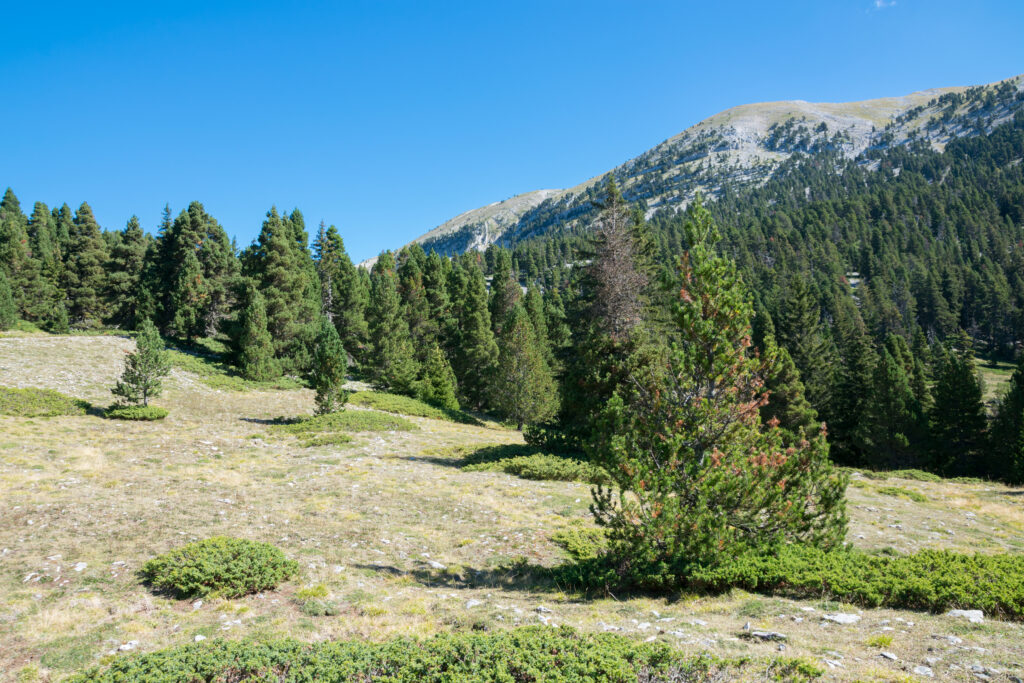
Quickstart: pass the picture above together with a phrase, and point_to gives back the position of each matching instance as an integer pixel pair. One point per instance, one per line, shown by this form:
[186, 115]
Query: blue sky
[387, 118]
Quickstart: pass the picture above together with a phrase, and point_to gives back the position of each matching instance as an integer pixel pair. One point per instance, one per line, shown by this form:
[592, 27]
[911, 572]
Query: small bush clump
[529, 463]
[531, 653]
[39, 403]
[347, 421]
[149, 413]
[214, 373]
[219, 566]
[404, 405]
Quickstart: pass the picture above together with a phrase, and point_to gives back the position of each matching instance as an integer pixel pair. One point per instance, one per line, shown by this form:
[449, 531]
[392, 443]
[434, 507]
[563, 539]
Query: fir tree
[437, 386]
[84, 260]
[696, 476]
[957, 417]
[523, 390]
[144, 368]
[327, 371]
[254, 347]
[392, 363]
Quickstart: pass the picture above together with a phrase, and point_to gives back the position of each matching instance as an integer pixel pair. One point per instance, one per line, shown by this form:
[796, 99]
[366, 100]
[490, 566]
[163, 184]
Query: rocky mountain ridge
[741, 146]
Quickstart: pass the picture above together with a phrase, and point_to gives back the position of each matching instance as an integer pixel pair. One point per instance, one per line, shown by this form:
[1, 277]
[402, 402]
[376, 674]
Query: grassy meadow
[393, 533]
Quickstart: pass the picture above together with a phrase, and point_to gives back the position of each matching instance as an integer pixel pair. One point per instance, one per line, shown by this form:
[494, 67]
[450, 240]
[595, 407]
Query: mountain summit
[744, 145]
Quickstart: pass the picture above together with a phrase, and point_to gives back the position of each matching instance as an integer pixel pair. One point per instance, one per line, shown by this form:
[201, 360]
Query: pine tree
[34, 294]
[84, 259]
[1007, 435]
[475, 351]
[278, 266]
[505, 289]
[533, 302]
[253, 346]
[696, 476]
[392, 363]
[437, 386]
[957, 418]
[851, 429]
[8, 309]
[144, 368]
[523, 390]
[415, 305]
[124, 275]
[328, 368]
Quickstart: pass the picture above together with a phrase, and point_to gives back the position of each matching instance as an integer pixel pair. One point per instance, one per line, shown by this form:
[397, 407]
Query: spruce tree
[392, 363]
[84, 261]
[957, 418]
[254, 348]
[523, 390]
[437, 386]
[697, 477]
[327, 371]
[144, 368]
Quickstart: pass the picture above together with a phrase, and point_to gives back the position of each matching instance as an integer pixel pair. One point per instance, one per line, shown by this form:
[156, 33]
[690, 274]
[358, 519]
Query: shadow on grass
[583, 580]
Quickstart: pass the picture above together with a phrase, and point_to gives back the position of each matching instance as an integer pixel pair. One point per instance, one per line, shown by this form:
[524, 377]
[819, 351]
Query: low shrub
[531, 653]
[527, 462]
[345, 421]
[219, 566]
[216, 374]
[135, 413]
[39, 403]
[404, 405]
[931, 580]
[916, 475]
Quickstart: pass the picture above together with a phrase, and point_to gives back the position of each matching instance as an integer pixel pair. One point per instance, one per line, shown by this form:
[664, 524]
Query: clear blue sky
[387, 118]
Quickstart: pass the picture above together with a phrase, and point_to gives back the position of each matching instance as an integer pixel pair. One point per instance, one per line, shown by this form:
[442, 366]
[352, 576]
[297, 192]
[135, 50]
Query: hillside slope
[741, 146]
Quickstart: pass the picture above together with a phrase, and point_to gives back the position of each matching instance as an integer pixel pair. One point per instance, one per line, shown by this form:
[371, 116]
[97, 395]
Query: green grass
[899, 492]
[39, 403]
[345, 421]
[141, 413]
[530, 653]
[219, 375]
[528, 462]
[404, 405]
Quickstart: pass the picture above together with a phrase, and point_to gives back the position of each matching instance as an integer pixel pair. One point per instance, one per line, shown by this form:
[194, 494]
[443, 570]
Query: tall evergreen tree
[799, 330]
[505, 288]
[786, 404]
[344, 294]
[34, 294]
[124, 275]
[475, 351]
[8, 309]
[437, 385]
[851, 429]
[895, 419]
[523, 389]
[254, 348]
[696, 476]
[277, 265]
[392, 363]
[327, 370]
[1006, 449]
[84, 261]
[957, 418]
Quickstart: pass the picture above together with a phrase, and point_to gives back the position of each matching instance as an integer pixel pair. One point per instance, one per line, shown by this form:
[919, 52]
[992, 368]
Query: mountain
[742, 146]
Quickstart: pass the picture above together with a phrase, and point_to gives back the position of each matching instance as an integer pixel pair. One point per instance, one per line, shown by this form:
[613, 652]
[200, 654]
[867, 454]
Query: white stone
[924, 671]
[470, 604]
[975, 616]
[200, 639]
[841, 618]
[80, 566]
